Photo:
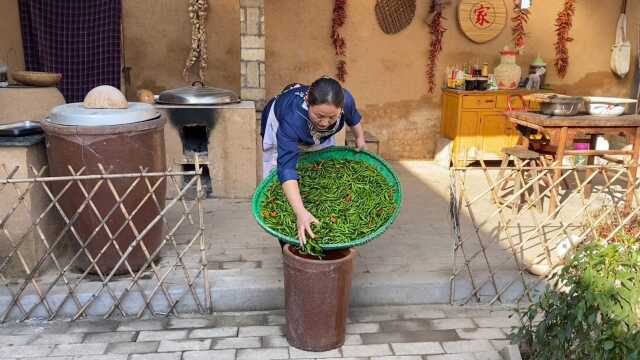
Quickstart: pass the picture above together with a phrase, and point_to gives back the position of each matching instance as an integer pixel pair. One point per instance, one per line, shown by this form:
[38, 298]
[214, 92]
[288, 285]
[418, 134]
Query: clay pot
[317, 298]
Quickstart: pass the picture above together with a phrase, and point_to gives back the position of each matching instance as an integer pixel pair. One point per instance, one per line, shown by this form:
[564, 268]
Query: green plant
[351, 199]
[593, 313]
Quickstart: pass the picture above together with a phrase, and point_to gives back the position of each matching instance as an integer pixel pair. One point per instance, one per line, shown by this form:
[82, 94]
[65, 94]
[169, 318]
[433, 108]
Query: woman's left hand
[361, 144]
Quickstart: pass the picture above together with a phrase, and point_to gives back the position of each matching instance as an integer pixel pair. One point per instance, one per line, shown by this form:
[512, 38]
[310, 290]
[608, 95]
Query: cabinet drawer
[478, 102]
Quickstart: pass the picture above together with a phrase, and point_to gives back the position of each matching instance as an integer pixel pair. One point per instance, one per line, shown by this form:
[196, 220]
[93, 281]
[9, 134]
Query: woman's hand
[361, 144]
[358, 133]
[304, 220]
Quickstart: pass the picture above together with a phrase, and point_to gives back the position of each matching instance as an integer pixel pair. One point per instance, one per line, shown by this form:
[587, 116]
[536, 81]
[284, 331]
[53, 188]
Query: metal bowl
[608, 106]
[561, 106]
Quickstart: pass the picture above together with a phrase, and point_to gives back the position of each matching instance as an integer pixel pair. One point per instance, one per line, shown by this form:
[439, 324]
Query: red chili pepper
[437, 30]
[520, 19]
[339, 43]
[564, 23]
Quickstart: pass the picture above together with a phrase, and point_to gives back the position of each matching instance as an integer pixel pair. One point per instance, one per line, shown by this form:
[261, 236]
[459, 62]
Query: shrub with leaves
[594, 311]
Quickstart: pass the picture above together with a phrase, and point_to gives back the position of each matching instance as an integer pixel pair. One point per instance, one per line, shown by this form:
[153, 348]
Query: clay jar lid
[76, 114]
[508, 52]
[103, 106]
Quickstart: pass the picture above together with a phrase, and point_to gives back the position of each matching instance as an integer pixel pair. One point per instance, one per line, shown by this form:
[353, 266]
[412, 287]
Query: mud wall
[386, 72]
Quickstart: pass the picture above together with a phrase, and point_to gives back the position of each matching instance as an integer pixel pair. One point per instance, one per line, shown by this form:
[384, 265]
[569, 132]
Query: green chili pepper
[351, 199]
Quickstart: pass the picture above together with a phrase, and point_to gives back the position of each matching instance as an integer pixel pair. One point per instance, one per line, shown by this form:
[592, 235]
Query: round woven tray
[395, 15]
[336, 152]
[36, 78]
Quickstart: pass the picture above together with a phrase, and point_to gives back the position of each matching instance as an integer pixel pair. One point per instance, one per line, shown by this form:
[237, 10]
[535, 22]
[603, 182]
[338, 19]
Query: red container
[316, 299]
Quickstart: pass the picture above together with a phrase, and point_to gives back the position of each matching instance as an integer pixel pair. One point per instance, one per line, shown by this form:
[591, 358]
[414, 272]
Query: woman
[305, 118]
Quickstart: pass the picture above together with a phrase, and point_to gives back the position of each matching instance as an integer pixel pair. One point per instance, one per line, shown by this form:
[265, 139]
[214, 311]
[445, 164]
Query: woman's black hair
[326, 91]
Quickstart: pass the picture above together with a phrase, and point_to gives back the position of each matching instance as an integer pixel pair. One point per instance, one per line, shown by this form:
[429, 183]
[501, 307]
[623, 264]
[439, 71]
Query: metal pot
[198, 94]
[561, 106]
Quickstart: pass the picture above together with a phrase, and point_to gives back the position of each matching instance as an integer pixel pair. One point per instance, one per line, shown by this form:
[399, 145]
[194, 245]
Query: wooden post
[633, 170]
[562, 143]
[588, 188]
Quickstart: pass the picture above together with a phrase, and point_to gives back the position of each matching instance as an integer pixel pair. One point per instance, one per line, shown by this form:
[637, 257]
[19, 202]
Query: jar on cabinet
[508, 73]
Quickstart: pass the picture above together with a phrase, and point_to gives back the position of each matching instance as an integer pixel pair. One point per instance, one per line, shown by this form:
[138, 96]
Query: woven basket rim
[336, 152]
[394, 16]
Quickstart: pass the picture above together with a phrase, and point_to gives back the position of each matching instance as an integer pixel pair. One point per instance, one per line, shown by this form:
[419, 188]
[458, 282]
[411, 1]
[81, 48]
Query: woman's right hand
[304, 220]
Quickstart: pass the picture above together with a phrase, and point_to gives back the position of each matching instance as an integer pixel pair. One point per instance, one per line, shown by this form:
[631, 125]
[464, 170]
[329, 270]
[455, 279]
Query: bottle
[460, 80]
[477, 70]
[485, 69]
[448, 78]
[492, 84]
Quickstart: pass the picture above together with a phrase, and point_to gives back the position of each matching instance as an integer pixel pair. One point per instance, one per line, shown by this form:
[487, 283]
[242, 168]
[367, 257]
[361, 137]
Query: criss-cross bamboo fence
[508, 237]
[51, 268]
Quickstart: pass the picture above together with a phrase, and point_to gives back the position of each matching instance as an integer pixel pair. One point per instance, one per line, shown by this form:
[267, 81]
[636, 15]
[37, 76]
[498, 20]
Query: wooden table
[563, 130]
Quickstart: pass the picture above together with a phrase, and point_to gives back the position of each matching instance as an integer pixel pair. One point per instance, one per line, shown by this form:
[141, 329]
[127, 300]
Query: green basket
[340, 153]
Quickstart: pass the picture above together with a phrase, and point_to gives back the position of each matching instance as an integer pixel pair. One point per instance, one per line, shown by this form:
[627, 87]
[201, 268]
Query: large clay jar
[508, 72]
[316, 299]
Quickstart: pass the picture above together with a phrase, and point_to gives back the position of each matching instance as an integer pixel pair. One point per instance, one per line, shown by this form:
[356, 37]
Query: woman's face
[324, 116]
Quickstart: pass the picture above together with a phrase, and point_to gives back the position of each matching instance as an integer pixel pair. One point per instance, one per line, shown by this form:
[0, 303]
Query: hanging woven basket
[395, 15]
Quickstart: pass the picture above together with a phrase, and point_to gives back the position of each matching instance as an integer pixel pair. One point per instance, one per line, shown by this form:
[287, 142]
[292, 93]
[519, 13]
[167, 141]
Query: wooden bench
[521, 157]
[373, 144]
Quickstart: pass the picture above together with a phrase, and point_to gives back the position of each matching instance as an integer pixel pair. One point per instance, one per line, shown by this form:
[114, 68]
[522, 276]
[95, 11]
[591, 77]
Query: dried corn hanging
[198, 17]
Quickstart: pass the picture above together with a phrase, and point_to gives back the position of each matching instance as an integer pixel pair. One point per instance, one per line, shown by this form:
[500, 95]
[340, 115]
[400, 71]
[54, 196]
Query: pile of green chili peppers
[350, 199]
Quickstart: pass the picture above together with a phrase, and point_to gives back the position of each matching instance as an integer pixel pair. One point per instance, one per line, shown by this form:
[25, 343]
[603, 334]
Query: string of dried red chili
[437, 30]
[339, 43]
[520, 19]
[564, 23]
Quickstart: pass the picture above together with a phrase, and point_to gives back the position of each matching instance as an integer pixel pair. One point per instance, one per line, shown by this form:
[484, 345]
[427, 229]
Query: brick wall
[252, 57]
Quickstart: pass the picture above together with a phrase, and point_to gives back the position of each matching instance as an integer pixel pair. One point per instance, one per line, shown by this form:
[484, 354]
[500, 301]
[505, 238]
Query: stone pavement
[417, 332]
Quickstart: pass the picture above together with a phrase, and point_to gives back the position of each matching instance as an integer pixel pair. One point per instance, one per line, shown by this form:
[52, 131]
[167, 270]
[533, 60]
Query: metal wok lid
[198, 94]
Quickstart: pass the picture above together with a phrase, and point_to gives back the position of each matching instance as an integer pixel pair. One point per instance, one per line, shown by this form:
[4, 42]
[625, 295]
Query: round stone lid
[77, 115]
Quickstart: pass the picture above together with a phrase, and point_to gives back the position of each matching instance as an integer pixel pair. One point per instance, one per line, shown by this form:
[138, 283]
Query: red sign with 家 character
[483, 15]
[482, 20]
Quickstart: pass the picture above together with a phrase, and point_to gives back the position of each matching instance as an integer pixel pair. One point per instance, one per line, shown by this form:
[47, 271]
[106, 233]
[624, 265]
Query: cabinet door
[497, 133]
[468, 140]
[449, 116]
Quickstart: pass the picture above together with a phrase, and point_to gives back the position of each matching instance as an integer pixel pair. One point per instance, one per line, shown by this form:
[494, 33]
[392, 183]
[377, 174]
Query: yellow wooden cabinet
[475, 122]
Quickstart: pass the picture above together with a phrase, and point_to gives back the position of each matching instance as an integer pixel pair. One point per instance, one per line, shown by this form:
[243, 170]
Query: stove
[224, 140]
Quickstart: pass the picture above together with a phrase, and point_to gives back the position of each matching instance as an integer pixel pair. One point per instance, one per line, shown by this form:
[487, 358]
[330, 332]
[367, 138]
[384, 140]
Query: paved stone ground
[419, 332]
